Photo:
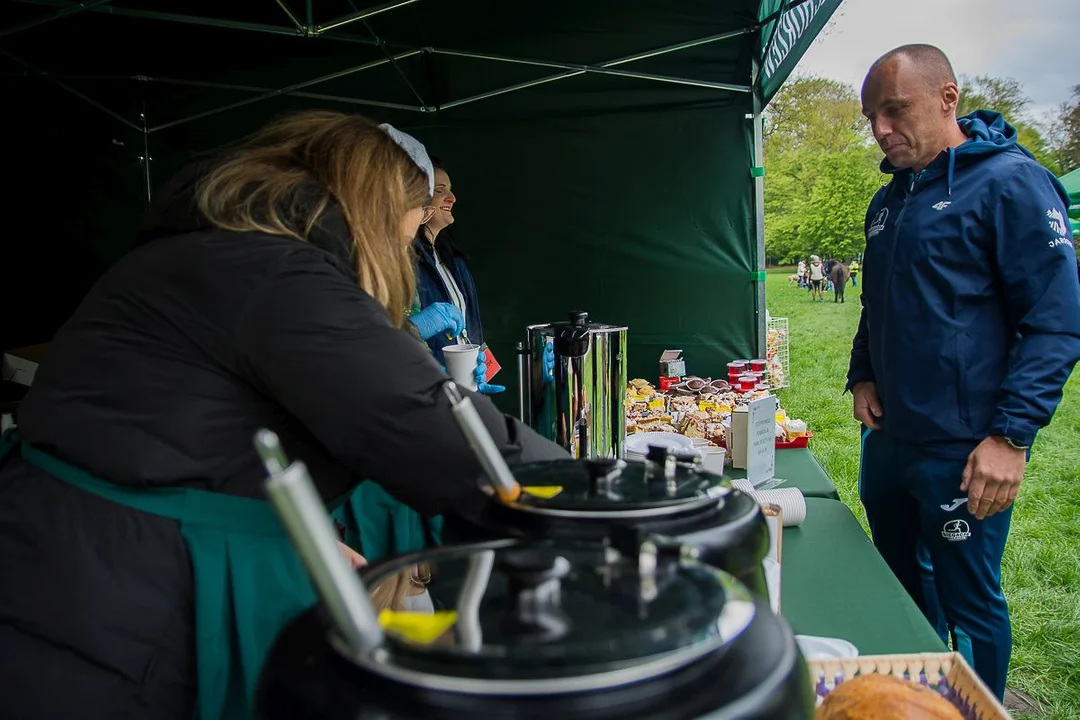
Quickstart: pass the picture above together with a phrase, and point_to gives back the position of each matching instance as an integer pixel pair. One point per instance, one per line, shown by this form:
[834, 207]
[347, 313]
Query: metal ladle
[483, 445]
[293, 495]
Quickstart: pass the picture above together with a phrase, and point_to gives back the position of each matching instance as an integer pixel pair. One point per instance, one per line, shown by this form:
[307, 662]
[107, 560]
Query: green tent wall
[632, 195]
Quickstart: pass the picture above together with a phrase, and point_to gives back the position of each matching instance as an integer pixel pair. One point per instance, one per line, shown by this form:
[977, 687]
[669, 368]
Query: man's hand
[867, 407]
[992, 476]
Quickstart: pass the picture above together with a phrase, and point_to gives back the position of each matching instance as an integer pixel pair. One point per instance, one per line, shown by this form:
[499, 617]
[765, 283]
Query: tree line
[821, 161]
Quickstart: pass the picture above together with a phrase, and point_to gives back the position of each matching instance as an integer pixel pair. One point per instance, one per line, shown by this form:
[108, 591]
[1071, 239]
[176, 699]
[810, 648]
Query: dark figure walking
[839, 275]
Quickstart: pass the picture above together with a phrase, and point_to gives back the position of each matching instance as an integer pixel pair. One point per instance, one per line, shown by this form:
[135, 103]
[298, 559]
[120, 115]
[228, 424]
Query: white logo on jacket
[954, 504]
[878, 224]
[1057, 222]
[941, 205]
[956, 530]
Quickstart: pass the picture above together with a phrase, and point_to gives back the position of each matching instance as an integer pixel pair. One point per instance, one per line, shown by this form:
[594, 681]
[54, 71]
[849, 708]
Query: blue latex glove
[481, 372]
[436, 318]
[549, 361]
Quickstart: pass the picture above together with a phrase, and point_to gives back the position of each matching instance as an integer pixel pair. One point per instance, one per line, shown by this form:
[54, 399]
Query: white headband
[416, 151]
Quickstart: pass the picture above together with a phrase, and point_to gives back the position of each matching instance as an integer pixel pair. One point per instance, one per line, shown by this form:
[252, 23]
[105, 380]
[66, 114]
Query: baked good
[885, 697]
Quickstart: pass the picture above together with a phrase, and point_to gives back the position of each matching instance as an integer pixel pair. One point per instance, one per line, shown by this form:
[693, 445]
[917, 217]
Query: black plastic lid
[617, 484]
[546, 613]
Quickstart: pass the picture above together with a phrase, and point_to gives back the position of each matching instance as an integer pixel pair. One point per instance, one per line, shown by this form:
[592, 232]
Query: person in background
[816, 273]
[970, 328]
[802, 273]
[142, 571]
[443, 276]
[854, 269]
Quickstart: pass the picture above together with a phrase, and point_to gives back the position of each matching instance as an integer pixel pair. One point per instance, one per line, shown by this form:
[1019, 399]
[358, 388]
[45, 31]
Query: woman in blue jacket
[443, 278]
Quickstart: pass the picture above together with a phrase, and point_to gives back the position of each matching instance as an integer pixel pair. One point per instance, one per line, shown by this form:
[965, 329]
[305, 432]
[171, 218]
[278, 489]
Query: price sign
[761, 440]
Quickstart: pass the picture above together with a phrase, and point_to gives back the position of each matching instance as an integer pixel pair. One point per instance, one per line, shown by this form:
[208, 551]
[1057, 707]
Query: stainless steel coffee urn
[576, 401]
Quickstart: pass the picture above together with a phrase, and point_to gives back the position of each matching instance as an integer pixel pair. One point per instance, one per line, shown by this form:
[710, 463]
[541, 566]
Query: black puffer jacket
[175, 358]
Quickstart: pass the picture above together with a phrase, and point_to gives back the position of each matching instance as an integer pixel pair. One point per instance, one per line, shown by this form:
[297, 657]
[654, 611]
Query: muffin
[884, 697]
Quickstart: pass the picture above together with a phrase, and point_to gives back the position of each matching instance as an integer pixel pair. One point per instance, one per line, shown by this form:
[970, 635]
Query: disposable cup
[461, 364]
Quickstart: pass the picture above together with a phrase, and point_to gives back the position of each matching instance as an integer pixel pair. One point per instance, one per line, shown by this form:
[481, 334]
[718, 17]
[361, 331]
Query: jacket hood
[988, 134]
[174, 212]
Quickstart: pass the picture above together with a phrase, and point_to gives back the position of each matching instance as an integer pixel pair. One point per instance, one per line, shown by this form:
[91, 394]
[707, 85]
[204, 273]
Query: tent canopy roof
[191, 58]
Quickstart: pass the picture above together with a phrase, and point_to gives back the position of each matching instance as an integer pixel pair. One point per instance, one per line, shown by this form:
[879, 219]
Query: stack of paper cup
[790, 500]
[461, 364]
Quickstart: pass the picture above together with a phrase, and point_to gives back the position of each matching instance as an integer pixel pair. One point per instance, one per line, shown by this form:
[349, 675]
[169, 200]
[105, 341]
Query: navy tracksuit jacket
[970, 328]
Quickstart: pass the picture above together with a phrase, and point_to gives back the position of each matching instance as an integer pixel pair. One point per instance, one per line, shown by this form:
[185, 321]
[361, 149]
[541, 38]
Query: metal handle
[480, 440]
[584, 450]
[472, 592]
[301, 510]
[521, 381]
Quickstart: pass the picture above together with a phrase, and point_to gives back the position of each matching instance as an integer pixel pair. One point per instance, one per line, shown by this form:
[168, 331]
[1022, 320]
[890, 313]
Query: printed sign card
[761, 440]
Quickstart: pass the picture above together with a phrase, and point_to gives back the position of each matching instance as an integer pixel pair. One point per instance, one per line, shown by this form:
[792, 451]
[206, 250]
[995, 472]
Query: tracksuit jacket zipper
[892, 256]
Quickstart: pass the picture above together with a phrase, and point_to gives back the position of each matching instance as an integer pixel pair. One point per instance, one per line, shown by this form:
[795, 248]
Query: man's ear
[950, 98]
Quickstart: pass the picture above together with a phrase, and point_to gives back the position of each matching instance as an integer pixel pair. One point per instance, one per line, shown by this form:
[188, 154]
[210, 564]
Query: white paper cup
[461, 364]
[714, 459]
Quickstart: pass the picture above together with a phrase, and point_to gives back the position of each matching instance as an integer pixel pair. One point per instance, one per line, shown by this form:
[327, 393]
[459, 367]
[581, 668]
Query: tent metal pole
[610, 63]
[680, 46]
[598, 69]
[257, 89]
[397, 68]
[286, 90]
[510, 89]
[310, 8]
[35, 71]
[146, 154]
[61, 13]
[362, 15]
[758, 161]
[195, 20]
[177, 18]
[300, 29]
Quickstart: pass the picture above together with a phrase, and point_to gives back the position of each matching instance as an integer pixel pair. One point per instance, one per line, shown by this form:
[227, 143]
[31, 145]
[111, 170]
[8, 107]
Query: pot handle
[303, 514]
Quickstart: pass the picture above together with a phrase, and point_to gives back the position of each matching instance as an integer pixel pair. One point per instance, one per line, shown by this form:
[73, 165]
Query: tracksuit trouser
[946, 559]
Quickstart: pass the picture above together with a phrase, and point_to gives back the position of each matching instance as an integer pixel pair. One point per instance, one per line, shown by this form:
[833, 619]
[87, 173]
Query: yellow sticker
[545, 492]
[706, 406]
[657, 404]
[418, 627]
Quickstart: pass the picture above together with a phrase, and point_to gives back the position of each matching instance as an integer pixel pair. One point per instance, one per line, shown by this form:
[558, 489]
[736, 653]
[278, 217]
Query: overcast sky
[1035, 41]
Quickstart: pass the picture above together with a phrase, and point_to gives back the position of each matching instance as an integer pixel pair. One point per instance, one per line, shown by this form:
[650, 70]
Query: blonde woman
[144, 574]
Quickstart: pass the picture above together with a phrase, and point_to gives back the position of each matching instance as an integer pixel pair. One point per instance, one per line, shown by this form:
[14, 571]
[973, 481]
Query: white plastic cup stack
[791, 500]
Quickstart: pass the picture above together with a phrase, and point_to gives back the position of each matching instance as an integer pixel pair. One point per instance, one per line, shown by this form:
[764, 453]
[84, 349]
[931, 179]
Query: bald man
[970, 327]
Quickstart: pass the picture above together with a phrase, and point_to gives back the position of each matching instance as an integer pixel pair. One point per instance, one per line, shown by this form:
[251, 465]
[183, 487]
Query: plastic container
[757, 366]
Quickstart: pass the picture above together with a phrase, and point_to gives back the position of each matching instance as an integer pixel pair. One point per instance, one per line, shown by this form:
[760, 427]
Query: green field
[1041, 572]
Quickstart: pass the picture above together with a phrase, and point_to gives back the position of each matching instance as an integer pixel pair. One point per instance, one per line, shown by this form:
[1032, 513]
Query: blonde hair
[390, 593]
[281, 180]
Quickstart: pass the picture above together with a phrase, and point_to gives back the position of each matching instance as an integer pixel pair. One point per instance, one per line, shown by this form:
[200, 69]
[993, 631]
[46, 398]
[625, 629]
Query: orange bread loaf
[884, 697]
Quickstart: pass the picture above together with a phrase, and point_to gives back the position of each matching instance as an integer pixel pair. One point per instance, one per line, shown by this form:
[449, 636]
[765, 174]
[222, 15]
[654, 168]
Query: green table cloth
[835, 584]
[799, 469]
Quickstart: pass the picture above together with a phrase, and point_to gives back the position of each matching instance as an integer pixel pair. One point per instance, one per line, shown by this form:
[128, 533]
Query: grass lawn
[1041, 572]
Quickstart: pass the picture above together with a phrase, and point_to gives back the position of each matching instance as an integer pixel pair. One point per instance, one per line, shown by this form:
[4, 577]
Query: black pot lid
[539, 617]
[656, 486]
[580, 319]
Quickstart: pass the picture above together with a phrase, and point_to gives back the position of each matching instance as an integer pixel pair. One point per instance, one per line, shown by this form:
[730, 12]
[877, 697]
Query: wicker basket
[947, 672]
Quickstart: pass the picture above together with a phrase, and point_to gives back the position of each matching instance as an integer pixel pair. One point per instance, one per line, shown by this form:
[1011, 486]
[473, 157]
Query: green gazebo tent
[606, 154]
[1071, 181]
